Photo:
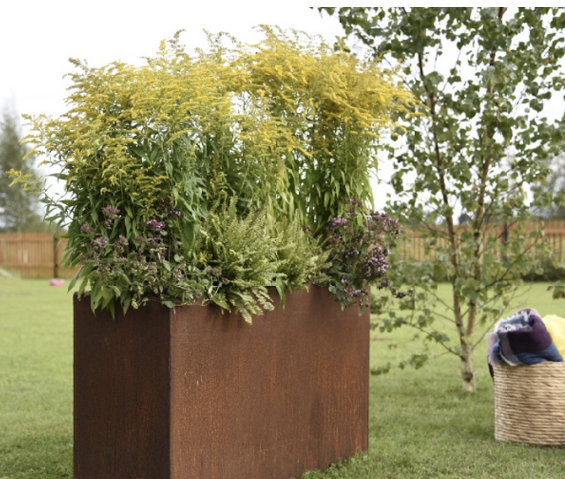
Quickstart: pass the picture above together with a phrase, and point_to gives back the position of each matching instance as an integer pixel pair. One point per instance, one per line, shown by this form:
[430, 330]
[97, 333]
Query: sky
[37, 37]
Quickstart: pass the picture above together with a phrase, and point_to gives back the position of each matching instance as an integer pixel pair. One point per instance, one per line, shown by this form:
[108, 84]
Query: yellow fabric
[556, 327]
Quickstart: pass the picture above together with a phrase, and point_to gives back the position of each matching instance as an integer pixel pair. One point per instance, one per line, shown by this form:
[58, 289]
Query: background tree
[18, 205]
[555, 184]
[480, 146]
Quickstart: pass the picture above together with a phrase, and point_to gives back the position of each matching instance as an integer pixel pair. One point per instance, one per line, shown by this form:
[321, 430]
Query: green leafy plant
[213, 175]
[302, 259]
[240, 259]
[132, 271]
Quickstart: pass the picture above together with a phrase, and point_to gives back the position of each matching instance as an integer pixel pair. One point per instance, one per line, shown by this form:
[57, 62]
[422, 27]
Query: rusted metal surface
[269, 400]
[121, 394]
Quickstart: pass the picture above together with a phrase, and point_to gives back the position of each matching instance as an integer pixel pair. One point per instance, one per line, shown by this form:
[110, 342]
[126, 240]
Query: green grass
[421, 423]
[35, 380]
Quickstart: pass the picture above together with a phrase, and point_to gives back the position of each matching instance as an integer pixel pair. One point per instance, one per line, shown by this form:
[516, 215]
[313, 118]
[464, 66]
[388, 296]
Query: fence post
[55, 256]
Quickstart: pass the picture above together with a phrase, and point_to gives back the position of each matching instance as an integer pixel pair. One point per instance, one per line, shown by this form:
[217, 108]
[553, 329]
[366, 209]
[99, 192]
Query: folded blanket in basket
[523, 339]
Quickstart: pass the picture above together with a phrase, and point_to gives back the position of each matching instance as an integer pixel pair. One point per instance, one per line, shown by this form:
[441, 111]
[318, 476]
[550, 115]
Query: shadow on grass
[37, 456]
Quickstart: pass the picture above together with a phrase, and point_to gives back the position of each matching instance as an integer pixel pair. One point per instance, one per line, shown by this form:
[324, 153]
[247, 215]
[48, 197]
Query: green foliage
[151, 156]
[243, 257]
[559, 291]
[132, 271]
[301, 259]
[332, 105]
[240, 257]
[480, 146]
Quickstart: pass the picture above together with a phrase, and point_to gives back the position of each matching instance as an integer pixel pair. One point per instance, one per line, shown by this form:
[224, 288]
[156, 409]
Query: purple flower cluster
[121, 244]
[167, 212]
[377, 263]
[111, 212]
[99, 243]
[150, 263]
[218, 275]
[86, 228]
[359, 248]
[110, 235]
[167, 207]
[337, 222]
[156, 224]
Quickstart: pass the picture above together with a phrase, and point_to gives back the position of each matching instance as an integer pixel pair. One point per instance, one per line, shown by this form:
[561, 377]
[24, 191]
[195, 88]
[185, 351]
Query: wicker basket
[529, 403]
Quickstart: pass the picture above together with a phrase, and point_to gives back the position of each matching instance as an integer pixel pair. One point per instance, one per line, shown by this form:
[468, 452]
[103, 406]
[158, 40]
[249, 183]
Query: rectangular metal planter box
[193, 393]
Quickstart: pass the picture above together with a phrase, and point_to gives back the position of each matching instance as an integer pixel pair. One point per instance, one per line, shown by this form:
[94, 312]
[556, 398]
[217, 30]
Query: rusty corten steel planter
[194, 393]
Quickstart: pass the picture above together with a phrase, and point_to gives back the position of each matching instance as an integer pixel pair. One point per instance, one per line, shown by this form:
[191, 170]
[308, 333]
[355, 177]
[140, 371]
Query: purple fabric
[522, 338]
[532, 336]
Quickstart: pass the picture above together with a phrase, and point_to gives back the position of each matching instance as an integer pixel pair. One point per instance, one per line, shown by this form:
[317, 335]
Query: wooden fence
[33, 255]
[413, 246]
[38, 255]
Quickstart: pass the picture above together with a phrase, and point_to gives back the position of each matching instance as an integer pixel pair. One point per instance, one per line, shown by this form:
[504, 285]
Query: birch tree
[479, 147]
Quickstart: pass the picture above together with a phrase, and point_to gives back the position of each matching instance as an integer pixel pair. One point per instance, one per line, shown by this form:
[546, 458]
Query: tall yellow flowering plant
[168, 166]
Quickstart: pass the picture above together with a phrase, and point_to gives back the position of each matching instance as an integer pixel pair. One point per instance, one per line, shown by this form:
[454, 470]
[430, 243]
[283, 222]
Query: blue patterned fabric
[523, 339]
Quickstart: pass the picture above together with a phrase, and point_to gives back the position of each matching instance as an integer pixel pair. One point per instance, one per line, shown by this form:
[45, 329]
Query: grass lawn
[35, 380]
[421, 423]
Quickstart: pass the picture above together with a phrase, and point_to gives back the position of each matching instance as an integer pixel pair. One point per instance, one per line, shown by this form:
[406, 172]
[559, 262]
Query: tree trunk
[466, 345]
[467, 373]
